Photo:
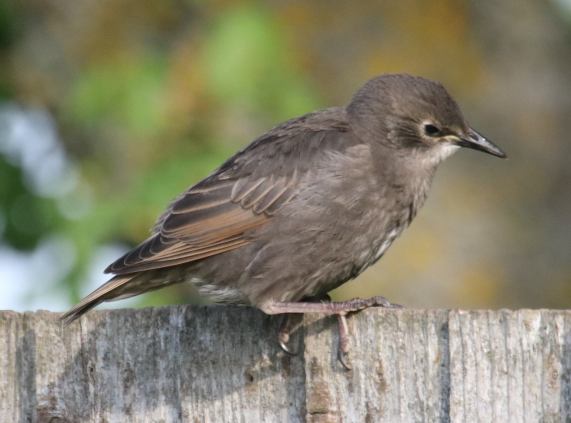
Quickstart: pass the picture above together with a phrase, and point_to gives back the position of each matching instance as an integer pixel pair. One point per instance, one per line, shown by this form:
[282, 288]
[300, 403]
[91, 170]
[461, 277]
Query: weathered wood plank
[167, 364]
[218, 363]
[510, 366]
[400, 368]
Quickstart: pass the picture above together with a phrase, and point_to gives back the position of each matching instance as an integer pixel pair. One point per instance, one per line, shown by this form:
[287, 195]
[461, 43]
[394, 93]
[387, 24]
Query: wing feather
[221, 212]
[201, 224]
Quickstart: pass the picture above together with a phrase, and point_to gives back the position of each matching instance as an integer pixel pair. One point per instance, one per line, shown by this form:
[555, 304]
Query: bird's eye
[431, 130]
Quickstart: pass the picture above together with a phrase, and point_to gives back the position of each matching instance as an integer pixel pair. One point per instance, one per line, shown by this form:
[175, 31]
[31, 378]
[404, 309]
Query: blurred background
[109, 109]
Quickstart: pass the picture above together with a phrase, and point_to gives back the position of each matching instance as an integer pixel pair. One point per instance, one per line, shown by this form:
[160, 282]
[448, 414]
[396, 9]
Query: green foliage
[26, 217]
[250, 65]
[7, 26]
[126, 93]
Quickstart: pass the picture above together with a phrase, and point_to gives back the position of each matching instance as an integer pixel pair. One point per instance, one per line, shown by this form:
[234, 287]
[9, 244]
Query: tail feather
[105, 292]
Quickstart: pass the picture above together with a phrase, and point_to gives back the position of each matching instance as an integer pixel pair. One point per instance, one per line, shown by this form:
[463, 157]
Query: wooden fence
[222, 364]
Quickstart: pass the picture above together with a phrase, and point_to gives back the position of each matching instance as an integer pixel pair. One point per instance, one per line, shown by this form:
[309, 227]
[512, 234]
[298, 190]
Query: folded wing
[218, 214]
[210, 218]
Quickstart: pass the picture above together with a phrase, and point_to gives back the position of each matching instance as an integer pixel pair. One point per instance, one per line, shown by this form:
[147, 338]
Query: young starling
[305, 207]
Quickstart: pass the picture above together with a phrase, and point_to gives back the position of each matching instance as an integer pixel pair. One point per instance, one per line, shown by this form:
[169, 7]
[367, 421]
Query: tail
[108, 291]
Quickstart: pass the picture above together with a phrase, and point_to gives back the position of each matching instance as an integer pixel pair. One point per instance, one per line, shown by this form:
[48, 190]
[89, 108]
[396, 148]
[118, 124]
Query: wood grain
[222, 364]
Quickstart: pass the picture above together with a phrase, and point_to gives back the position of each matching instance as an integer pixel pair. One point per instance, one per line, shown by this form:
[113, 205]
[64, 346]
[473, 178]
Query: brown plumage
[306, 206]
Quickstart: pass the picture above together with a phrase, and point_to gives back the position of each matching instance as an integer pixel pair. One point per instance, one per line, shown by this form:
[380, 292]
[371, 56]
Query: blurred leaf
[27, 218]
[125, 93]
[249, 65]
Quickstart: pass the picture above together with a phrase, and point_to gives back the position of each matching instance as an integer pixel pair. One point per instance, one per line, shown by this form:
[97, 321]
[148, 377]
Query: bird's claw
[287, 325]
[358, 304]
[341, 309]
[380, 301]
[343, 358]
[283, 340]
[343, 354]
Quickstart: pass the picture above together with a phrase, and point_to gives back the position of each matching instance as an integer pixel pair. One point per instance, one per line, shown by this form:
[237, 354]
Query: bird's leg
[325, 306]
[289, 322]
[343, 354]
[329, 308]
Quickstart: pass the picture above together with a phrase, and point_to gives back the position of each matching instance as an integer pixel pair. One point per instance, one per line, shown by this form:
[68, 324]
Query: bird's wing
[216, 215]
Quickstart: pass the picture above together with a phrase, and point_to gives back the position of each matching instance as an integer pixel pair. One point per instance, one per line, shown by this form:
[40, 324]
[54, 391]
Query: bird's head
[413, 114]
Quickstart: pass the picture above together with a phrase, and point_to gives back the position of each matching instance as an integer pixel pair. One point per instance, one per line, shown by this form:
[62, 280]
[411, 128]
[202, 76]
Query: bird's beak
[477, 141]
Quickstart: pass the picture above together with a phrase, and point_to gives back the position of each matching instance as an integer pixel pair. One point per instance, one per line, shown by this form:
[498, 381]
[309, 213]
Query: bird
[304, 208]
